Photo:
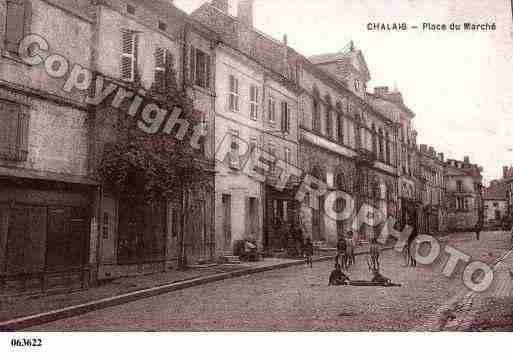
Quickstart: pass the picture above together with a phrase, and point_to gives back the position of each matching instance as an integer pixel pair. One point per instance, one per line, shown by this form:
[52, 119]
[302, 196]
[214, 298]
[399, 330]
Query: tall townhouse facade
[463, 185]
[136, 45]
[47, 194]
[342, 140]
[391, 104]
[346, 141]
[256, 106]
[433, 212]
[60, 223]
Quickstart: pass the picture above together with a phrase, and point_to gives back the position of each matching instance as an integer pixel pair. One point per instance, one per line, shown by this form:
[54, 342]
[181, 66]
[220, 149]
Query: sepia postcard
[255, 166]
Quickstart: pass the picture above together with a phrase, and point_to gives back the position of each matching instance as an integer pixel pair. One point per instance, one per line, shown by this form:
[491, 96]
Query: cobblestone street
[298, 298]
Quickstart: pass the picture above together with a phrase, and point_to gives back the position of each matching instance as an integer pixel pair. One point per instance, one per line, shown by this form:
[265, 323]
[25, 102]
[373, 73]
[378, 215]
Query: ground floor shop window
[142, 233]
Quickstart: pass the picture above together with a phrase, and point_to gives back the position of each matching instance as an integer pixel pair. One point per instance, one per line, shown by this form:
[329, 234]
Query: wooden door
[26, 240]
[227, 221]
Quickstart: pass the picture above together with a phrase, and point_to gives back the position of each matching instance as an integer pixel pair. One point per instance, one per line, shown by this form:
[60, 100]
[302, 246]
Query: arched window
[328, 118]
[316, 110]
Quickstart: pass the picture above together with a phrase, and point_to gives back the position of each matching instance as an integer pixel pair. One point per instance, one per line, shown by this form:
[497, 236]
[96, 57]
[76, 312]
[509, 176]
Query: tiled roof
[495, 192]
[323, 58]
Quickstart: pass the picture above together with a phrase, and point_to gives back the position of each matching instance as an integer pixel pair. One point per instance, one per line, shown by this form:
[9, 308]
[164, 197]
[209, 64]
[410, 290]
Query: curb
[72, 311]
[80, 309]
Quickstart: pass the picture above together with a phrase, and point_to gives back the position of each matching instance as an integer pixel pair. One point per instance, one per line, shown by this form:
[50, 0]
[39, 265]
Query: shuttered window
[340, 129]
[13, 131]
[272, 111]
[199, 63]
[17, 20]
[128, 54]
[233, 102]
[285, 117]
[254, 101]
[163, 61]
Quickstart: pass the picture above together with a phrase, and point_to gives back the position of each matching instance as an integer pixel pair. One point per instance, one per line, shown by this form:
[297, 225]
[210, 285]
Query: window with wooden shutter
[192, 64]
[285, 117]
[254, 100]
[272, 111]
[128, 54]
[13, 131]
[340, 129]
[161, 58]
[17, 22]
[233, 102]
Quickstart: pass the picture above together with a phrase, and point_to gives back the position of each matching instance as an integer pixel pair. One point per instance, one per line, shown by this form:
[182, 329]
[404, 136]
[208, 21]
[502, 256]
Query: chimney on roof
[432, 151]
[423, 149]
[466, 159]
[245, 12]
[505, 172]
[381, 91]
[441, 156]
[222, 5]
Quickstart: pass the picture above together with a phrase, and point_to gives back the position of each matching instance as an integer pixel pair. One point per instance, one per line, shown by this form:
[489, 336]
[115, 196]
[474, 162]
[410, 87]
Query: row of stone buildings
[58, 220]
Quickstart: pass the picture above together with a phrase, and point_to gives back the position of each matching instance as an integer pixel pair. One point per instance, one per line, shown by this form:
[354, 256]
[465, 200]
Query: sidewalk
[24, 311]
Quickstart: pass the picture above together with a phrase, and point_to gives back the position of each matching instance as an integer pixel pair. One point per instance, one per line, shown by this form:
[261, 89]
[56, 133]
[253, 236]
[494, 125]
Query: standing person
[341, 252]
[374, 252]
[308, 252]
[411, 243]
[479, 227]
[351, 244]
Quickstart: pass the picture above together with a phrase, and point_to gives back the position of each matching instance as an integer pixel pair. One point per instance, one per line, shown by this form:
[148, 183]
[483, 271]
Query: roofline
[404, 107]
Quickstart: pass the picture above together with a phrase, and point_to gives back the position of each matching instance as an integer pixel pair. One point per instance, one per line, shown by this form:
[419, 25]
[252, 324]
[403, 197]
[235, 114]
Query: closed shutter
[128, 54]
[17, 20]
[192, 64]
[160, 69]
[208, 73]
[285, 121]
[13, 132]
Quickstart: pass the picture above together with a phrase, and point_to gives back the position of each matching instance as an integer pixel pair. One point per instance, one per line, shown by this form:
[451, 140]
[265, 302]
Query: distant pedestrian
[479, 228]
[351, 244]
[308, 252]
[411, 245]
[374, 252]
[341, 252]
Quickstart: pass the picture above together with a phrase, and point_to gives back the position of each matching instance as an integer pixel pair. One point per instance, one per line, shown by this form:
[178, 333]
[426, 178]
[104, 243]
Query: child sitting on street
[337, 277]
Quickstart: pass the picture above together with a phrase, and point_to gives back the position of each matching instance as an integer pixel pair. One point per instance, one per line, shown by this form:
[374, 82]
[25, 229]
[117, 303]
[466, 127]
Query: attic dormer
[348, 66]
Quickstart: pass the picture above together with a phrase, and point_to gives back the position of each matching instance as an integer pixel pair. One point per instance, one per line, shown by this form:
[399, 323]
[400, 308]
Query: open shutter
[160, 68]
[17, 23]
[128, 54]
[22, 141]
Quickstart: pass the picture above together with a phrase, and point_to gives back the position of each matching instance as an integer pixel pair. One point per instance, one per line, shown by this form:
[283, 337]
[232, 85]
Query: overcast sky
[459, 84]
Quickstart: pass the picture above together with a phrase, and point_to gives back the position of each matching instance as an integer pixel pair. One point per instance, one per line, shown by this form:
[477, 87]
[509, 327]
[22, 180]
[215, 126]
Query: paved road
[296, 298]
